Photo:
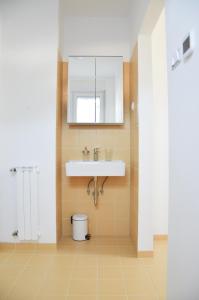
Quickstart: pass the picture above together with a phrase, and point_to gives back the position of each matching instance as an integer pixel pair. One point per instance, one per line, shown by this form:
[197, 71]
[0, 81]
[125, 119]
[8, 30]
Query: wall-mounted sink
[95, 168]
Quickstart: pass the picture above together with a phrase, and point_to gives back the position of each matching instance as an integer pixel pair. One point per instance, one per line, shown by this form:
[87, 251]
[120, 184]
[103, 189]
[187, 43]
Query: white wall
[0, 53]
[160, 127]
[27, 106]
[153, 128]
[86, 32]
[137, 11]
[145, 131]
[183, 270]
[95, 36]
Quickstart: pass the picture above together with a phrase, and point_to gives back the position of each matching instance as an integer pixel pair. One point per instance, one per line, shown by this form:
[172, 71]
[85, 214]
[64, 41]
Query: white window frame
[76, 95]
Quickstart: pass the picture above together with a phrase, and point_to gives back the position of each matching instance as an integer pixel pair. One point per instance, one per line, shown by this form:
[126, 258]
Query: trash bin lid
[80, 217]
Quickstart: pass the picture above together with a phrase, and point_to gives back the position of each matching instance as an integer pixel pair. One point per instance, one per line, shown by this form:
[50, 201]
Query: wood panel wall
[112, 217]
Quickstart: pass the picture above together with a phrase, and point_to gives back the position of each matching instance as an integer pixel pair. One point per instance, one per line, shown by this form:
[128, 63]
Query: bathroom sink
[95, 168]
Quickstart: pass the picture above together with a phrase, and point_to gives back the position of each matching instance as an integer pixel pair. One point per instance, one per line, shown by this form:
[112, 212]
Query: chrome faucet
[96, 154]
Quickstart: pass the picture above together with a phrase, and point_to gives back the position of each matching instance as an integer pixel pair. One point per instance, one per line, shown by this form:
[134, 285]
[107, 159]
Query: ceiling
[96, 8]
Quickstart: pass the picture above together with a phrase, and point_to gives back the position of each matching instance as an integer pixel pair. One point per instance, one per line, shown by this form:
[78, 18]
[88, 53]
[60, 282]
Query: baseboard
[160, 237]
[27, 246]
[43, 246]
[141, 254]
[7, 246]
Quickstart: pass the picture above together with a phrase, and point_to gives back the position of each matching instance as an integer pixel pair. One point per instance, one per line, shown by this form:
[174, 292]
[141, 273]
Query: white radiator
[27, 203]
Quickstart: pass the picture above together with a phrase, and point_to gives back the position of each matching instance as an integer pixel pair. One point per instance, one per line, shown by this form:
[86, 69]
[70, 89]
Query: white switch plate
[176, 59]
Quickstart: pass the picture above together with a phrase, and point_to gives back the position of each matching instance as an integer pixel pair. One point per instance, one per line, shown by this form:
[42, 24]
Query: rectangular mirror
[95, 90]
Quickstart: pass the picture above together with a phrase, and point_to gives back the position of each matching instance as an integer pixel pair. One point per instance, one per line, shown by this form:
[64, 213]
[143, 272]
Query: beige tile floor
[99, 269]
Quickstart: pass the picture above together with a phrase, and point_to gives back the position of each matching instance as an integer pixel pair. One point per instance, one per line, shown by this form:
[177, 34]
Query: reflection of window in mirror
[87, 108]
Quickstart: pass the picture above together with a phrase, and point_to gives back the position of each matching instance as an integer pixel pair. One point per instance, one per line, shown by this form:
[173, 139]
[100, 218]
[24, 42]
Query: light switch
[188, 44]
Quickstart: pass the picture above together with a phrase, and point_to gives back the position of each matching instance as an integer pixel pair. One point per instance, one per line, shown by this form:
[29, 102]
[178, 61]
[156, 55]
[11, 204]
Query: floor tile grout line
[45, 276]
[2, 263]
[124, 279]
[122, 250]
[154, 285]
[16, 280]
[70, 280]
[97, 279]
[151, 280]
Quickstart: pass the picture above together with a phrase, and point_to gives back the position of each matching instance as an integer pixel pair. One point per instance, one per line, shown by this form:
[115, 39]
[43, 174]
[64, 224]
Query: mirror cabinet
[95, 90]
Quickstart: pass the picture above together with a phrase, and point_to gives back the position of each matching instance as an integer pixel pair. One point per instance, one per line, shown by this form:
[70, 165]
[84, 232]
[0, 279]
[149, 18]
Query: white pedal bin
[80, 227]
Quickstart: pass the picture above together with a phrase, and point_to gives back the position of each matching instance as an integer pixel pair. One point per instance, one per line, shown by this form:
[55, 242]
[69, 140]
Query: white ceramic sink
[95, 168]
